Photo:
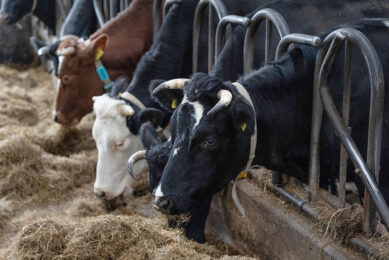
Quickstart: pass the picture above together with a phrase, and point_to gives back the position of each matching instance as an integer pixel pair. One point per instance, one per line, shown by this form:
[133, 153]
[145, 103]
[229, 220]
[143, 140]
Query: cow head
[211, 131]
[78, 79]
[115, 143]
[13, 10]
[156, 153]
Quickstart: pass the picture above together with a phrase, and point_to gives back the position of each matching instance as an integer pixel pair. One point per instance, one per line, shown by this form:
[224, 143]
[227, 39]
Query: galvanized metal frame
[333, 44]
[108, 9]
[272, 18]
[214, 6]
[221, 29]
[157, 20]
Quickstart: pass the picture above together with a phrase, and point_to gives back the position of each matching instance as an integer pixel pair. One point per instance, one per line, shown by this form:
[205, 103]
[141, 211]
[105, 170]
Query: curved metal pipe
[221, 29]
[284, 43]
[375, 116]
[133, 159]
[221, 11]
[272, 17]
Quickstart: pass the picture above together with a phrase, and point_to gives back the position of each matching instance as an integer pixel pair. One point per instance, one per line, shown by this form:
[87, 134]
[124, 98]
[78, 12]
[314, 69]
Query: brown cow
[124, 40]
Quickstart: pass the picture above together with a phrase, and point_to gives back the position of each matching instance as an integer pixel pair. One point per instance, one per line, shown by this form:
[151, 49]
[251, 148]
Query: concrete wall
[271, 229]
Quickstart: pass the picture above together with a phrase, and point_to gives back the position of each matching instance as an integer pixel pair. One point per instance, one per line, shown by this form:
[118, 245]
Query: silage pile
[47, 208]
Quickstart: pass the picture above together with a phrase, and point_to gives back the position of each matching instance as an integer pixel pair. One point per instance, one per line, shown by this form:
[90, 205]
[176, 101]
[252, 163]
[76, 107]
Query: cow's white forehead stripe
[158, 192]
[60, 60]
[175, 151]
[198, 109]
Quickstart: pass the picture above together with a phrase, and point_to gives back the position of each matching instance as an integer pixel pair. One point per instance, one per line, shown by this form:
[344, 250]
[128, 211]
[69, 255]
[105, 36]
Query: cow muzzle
[163, 204]
[59, 118]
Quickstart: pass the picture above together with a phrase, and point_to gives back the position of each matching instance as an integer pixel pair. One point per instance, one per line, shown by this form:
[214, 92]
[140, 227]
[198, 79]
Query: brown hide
[124, 39]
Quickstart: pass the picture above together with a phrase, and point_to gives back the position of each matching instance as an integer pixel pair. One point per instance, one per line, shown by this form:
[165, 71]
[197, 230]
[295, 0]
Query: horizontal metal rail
[272, 18]
[221, 29]
[214, 6]
[363, 170]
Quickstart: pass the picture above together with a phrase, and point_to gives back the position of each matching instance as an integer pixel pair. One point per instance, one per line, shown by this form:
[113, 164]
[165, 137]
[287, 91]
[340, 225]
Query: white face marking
[175, 151]
[115, 144]
[198, 108]
[386, 23]
[158, 192]
[60, 60]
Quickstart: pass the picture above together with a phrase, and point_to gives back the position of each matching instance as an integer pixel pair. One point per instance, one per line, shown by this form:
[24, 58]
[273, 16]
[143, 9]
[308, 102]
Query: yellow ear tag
[243, 126]
[99, 53]
[174, 103]
[242, 175]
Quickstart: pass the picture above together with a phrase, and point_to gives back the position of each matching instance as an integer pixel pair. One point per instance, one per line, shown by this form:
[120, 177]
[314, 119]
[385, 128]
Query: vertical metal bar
[346, 115]
[127, 3]
[211, 37]
[106, 10]
[268, 41]
[156, 17]
[98, 12]
[317, 117]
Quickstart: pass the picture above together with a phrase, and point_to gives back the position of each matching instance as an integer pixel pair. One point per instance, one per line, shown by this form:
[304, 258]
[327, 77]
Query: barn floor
[47, 208]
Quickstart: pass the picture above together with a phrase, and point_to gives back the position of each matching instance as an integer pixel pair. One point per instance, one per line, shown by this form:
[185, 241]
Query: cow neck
[127, 96]
[253, 144]
[253, 139]
[102, 72]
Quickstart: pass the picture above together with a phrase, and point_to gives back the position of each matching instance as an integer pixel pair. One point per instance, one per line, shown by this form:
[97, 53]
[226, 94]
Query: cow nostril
[165, 203]
[100, 195]
[56, 118]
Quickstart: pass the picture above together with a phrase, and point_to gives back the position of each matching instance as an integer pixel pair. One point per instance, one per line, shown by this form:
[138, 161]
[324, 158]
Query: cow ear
[97, 47]
[152, 115]
[243, 116]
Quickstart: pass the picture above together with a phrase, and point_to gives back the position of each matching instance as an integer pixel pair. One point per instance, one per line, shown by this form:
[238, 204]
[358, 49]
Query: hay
[47, 206]
[108, 237]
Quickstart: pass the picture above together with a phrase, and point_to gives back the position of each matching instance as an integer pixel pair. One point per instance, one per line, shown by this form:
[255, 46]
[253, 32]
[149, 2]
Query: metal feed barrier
[107, 9]
[329, 49]
[213, 6]
[157, 19]
[221, 30]
[272, 18]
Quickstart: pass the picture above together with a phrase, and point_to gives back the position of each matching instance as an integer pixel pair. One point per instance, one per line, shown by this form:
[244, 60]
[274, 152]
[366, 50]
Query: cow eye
[118, 145]
[65, 79]
[209, 141]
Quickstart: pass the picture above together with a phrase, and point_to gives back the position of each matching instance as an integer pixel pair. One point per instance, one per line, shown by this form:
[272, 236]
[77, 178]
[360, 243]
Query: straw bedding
[47, 207]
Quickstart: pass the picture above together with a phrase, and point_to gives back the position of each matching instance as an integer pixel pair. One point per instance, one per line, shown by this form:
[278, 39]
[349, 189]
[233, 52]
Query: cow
[167, 58]
[212, 128]
[13, 10]
[118, 46]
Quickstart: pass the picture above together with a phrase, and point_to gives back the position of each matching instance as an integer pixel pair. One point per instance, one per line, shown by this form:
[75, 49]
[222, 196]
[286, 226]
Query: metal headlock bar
[157, 20]
[61, 9]
[108, 9]
[330, 49]
[214, 6]
[272, 18]
[167, 5]
[221, 29]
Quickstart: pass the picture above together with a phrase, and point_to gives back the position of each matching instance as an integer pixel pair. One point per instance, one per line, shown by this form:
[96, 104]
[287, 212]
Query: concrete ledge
[271, 229]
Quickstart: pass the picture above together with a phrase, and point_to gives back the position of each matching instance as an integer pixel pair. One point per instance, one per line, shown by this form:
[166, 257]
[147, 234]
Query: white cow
[115, 144]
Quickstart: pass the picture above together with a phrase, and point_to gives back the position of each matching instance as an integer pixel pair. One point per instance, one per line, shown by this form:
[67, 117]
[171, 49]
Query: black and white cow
[169, 57]
[209, 149]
